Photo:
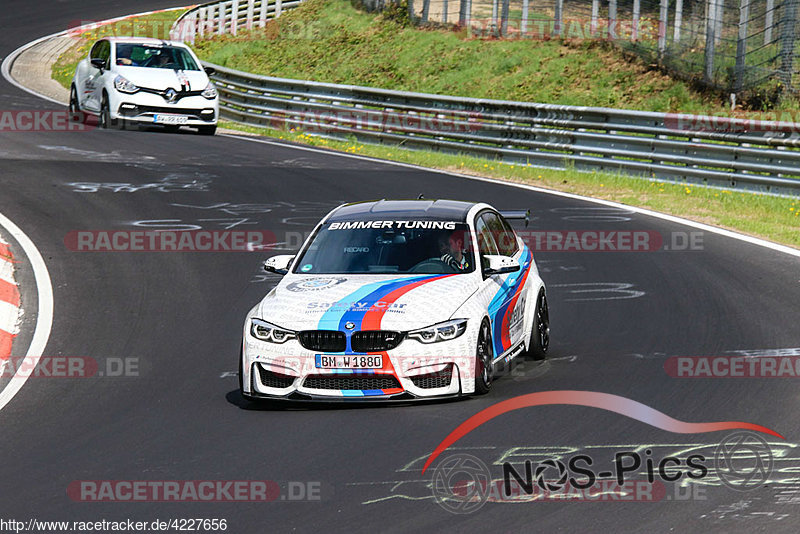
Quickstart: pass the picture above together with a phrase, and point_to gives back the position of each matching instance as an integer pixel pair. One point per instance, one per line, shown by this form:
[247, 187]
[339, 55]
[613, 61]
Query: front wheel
[74, 106]
[483, 360]
[105, 114]
[540, 331]
[207, 130]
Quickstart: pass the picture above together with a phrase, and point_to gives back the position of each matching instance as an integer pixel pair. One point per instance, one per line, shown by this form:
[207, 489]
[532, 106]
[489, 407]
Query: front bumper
[411, 371]
[144, 108]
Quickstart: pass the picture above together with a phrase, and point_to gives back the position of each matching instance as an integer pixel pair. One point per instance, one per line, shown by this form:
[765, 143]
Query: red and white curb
[9, 303]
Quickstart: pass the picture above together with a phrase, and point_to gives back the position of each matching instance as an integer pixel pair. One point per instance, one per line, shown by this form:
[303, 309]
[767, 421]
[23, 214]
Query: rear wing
[517, 215]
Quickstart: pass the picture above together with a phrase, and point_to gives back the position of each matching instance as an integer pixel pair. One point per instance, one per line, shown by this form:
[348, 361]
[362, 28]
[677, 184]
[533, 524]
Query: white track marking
[5, 68]
[44, 316]
[671, 218]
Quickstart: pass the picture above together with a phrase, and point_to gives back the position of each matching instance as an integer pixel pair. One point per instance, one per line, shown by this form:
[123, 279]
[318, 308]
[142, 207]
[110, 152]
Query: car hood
[162, 79]
[370, 302]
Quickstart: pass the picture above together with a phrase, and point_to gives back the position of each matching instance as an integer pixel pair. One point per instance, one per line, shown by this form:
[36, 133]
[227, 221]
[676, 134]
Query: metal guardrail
[732, 153]
[227, 17]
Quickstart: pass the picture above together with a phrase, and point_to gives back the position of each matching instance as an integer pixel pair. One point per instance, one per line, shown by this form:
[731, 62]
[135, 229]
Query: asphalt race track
[616, 319]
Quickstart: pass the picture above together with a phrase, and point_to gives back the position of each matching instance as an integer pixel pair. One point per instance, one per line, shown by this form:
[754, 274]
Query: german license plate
[170, 119]
[325, 361]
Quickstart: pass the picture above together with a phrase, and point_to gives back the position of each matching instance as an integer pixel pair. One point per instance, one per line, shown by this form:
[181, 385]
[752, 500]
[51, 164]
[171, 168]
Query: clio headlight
[269, 332]
[124, 85]
[440, 332]
[210, 92]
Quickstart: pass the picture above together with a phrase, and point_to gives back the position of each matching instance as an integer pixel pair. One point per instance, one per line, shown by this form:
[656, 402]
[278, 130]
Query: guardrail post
[612, 19]
[676, 35]
[463, 13]
[523, 24]
[234, 16]
[444, 11]
[262, 13]
[221, 19]
[741, 45]
[278, 6]
[494, 18]
[426, 9]
[251, 6]
[558, 28]
[711, 27]
[637, 15]
[663, 21]
[504, 19]
[202, 13]
[596, 15]
[769, 21]
[788, 24]
[193, 26]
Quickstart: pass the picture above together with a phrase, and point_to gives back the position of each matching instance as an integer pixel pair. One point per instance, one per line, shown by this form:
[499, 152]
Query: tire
[207, 130]
[540, 331]
[245, 396]
[75, 114]
[172, 128]
[105, 114]
[483, 360]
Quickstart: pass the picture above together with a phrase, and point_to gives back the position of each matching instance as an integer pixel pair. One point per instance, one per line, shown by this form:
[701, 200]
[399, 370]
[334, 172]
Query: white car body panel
[144, 106]
[303, 302]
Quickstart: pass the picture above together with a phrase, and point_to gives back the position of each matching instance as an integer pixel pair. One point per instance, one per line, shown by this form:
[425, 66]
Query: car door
[498, 290]
[93, 80]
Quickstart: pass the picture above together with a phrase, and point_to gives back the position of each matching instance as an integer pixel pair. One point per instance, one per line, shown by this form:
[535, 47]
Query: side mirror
[278, 264]
[209, 70]
[500, 265]
[99, 63]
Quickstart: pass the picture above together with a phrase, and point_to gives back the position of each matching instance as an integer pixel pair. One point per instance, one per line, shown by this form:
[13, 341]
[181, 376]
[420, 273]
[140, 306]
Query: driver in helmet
[453, 252]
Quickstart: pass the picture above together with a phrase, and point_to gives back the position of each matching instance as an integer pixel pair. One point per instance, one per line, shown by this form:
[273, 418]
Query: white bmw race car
[398, 299]
[126, 80]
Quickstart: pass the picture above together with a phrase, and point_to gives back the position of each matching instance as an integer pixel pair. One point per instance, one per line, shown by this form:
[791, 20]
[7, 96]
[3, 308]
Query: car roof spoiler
[517, 215]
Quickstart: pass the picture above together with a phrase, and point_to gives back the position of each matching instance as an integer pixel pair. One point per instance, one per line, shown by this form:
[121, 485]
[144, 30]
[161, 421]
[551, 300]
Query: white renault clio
[126, 80]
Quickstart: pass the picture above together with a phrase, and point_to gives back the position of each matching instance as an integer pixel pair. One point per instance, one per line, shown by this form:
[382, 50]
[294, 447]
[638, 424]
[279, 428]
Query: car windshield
[392, 246]
[155, 56]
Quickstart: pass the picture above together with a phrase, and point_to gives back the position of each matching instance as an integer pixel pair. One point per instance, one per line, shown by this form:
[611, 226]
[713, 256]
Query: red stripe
[505, 334]
[372, 319]
[5, 344]
[9, 293]
[5, 252]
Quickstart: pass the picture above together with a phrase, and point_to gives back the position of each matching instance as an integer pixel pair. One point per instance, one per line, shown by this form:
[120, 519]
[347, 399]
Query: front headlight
[124, 85]
[269, 332]
[440, 332]
[210, 92]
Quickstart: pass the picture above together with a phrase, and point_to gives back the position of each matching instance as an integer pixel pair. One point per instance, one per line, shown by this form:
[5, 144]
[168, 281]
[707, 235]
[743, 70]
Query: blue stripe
[357, 316]
[330, 319]
[500, 302]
